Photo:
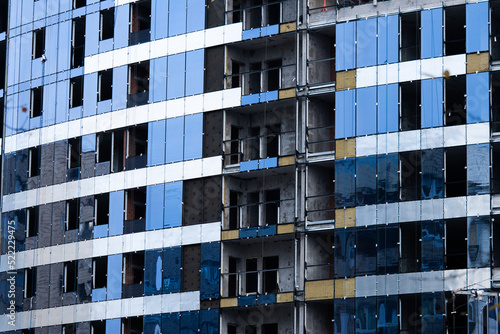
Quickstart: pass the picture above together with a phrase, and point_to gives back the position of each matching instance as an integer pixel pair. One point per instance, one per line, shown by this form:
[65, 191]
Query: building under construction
[250, 166]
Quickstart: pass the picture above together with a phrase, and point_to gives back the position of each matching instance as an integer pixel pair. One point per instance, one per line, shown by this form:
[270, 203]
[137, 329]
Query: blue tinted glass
[26, 41]
[344, 183]
[193, 137]
[114, 284]
[170, 323]
[209, 321]
[11, 114]
[345, 45]
[190, 322]
[159, 19]
[432, 102]
[89, 94]
[195, 64]
[14, 58]
[88, 143]
[432, 245]
[209, 274]
[177, 10]
[49, 107]
[366, 315]
[173, 204]
[91, 34]
[113, 325]
[344, 321]
[156, 143]
[195, 15]
[366, 251]
[116, 201]
[478, 97]
[152, 272]
[62, 101]
[388, 39]
[119, 87]
[154, 207]
[50, 49]
[432, 173]
[345, 252]
[171, 269]
[387, 250]
[387, 314]
[23, 122]
[152, 324]
[63, 52]
[432, 312]
[175, 139]
[366, 111]
[344, 114]
[432, 33]
[477, 27]
[387, 181]
[478, 171]
[175, 76]
[478, 240]
[366, 179]
[366, 46]
[158, 84]
[388, 109]
[120, 39]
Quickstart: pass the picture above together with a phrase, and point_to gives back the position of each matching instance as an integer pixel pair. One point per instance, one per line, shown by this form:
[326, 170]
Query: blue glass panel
[152, 324]
[209, 274]
[345, 51]
[103, 106]
[195, 64]
[170, 323]
[173, 204]
[432, 173]
[366, 251]
[432, 245]
[100, 231]
[51, 33]
[478, 97]
[432, 312]
[91, 34]
[26, 42]
[89, 94]
[159, 19]
[477, 27]
[113, 326]
[478, 171]
[388, 109]
[387, 250]
[366, 315]
[344, 322]
[344, 183]
[116, 201]
[14, 59]
[156, 143]
[387, 314]
[252, 33]
[366, 111]
[209, 321]
[247, 301]
[154, 207]
[62, 101]
[478, 242]
[249, 165]
[171, 269]
[49, 107]
[431, 33]
[121, 28]
[193, 136]
[269, 96]
[177, 10]
[158, 85]
[366, 46]
[119, 87]
[114, 284]
[195, 15]
[88, 143]
[366, 180]
[267, 230]
[152, 272]
[266, 299]
[249, 99]
[63, 52]
[23, 117]
[175, 139]
[190, 322]
[432, 102]
[27, 13]
[345, 121]
[11, 114]
[175, 76]
[98, 295]
[250, 232]
[39, 8]
[344, 252]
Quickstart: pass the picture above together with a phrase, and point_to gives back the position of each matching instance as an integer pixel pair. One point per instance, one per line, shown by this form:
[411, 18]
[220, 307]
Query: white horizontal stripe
[126, 117]
[110, 309]
[163, 47]
[177, 171]
[135, 242]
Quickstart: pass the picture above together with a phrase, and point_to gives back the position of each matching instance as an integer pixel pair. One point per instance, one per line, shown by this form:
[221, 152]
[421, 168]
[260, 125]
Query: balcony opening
[269, 329]
[98, 327]
[321, 56]
[138, 84]
[253, 209]
[38, 43]
[232, 283]
[3, 49]
[411, 310]
[456, 313]
[273, 140]
[410, 248]
[36, 102]
[70, 271]
[105, 88]
[132, 325]
[214, 68]
[69, 329]
[273, 14]
[32, 222]
[409, 93]
[191, 256]
[78, 3]
[72, 214]
[251, 276]
[455, 90]
[234, 210]
[270, 276]
[410, 36]
[101, 209]
[272, 206]
[29, 282]
[135, 210]
[454, 30]
[140, 22]
[255, 78]
[133, 275]
[495, 30]
[456, 172]
[456, 244]
[410, 175]
[34, 161]
[78, 42]
[107, 26]
[99, 272]
[76, 92]
[137, 146]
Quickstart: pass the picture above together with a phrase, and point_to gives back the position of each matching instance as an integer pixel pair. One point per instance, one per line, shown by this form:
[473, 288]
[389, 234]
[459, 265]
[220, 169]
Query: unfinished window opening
[250, 329]
[454, 30]
[38, 43]
[78, 3]
[410, 36]
[236, 69]
[191, 256]
[31, 222]
[214, 68]
[103, 153]
[98, 327]
[76, 92]
[70, 280]
[69, 329]
[3, 49]
[273, 140]
[251, 276]
[255, 78]
[36, 102]
[272, 206]
[99, 272]
[410, 105]
[34, 161]
[72, 213]
[118, 148]
[253, 16]
[137, 146]
[138, 84]
[105, 88]
[101, 209]
[455, 90]
[4, 4]
[133, 275]
[78, 42]
[132, 325]
[456, 313]
[495, 100]
[235, 145]
[273, 74]
[269, 328]
[495, 30]
[411, 310]
[456, 244]
[135, 210]
[270, 266]
[29, 282]
[495, 170]
[140, 22]
[107, 26]
[273, 13]
[455, 171]
[321, 56]
[74, 145]
[253, 209]
[251, 150]
[232, 283]
[410, 247]
[409, 175]
[234, 210]
[232, 329]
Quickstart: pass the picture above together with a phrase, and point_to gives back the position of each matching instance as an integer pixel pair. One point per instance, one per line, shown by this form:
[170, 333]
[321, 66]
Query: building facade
[250, 166]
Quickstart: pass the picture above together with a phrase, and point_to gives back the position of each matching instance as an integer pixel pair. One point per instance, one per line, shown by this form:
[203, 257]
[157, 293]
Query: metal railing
[320, 208]
[256, 16]
[319, 271]
[321, 71]
[321, 139]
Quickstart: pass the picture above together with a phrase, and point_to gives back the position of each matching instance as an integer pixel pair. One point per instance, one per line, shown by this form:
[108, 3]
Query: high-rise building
[250, 166]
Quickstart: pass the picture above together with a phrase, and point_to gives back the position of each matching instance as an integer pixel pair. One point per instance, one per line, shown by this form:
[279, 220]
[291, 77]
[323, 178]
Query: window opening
[98, 327]
[78, 42]
[140, 22]
[410, 36]
[137, 138]
[233, 277]
[74, 152]
[272, 206]
[455, 92]
[133, 275]
[99, 272]
[269, 329]
[495, 30]
[234, 210]
[270, 276]
[456, 244]
[410, 105]
[455, 171]
[132, 325]
[410, 175]
[29, 282]
[253, 208]
[273, 74]
[70, 276]
[38, 43]
[78, 4]
[32, 222]
[103, 153]
[135, 210]
[251, 275]
[72, 213]
[36, 102]
[34, 161]
[273, 140]
[410, 247]
[76, 92]
[138, 84]
[101, 209]
[107, 24]
[454, 30]
[105, 88]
